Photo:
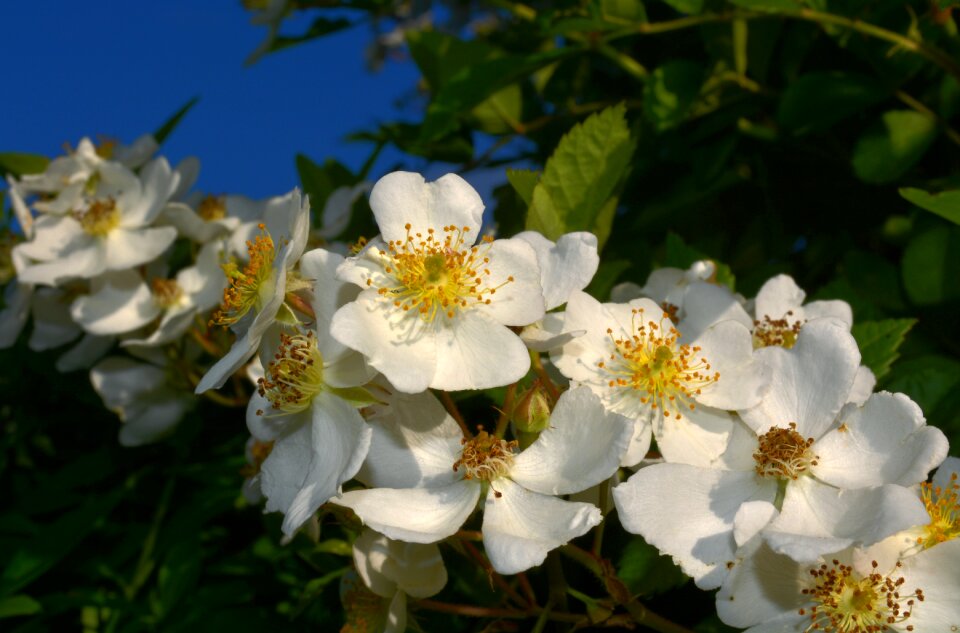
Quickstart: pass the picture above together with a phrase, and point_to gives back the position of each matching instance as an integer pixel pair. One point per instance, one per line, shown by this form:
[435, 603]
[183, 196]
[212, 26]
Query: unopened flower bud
[532, 412]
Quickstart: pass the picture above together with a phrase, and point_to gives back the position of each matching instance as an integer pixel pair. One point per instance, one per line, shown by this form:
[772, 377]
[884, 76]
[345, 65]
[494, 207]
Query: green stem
[507, 409]
[492, 612]
[454, 412]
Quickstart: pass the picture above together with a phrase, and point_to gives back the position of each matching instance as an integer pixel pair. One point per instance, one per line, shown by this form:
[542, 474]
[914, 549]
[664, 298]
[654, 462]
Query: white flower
[641, 366]
[435, 309]
[336, 210]
[429, 478]
[106, 231]
[845, 592]
[178, 301]
[837, 475]
[306, 404]
[666, 286]
[141, 394]
[393, 570]
[260, 293]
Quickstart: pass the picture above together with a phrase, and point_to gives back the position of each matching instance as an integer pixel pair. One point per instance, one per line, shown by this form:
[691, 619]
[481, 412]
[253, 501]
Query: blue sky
[119, 68]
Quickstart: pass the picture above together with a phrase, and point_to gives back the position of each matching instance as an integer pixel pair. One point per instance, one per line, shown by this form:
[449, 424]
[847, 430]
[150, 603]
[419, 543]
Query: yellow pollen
[248, 288]
[768, 332]
[101, 217]
[846, 603]
[652, 362]
[485, 457]
[166, 292]
[106, 148]
[212, 208]
[943, 505]
[784, 454]
[437, 276]
[294, 376]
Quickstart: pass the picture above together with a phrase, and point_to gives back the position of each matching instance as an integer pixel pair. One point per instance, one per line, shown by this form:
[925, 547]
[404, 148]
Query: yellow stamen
[212, 208]
[295, 375]
[249, 288]
[101, 217]
[485, 457]
[943, 505]
[769, 332]
[166, 292]
[784, 454]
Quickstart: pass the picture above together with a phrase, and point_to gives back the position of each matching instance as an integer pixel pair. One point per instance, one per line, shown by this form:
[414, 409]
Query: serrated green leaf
[524, 181]
[474, 84]
[670, 92]
[816, 101]
[891, 146]
[18, 163]
[930, 265]
[946, 204]
[162, 132]
[578, 186]
[645, 571]
[879, 342]
[19, 605]
[926, 379]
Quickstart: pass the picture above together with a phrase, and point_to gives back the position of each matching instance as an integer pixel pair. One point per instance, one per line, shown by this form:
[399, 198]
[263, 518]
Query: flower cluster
[741, 437]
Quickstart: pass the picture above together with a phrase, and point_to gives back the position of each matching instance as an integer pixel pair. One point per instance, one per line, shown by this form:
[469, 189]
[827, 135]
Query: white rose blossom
[435, 308]
[837, 474]
[639, 363]
[427, 478]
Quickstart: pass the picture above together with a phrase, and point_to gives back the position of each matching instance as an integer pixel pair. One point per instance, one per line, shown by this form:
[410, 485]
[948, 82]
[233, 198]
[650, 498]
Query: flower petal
[417, 515]
[699, 438]
[126, 248]
[581, 447]
[121, 302]
[566, 266]
[516, 302]
[402, 197]
[764, 589]
[520, 527]
[817, 519]
[474, 352]
[688, 512]
[728, 348]
[809, 383]
[399, 344]
[886, 441]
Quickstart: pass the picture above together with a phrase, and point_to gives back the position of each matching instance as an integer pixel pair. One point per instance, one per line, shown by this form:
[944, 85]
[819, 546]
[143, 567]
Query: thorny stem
[454, 412]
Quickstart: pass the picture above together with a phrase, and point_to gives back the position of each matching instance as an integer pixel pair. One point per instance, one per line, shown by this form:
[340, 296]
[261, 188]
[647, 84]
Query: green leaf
[926, 379]
[670, 92]
[816, 101]
[647, 572]
[524, 181]
[17, 163]
[768, 5]
[930, 265]
[879, 341]
[577, 190]
[162, 132]
[690, 7]
[501, 113]
[474, 83]
[19, 605]
[624, 10]
[440, 56]
[890, 147]
[946, 204]
[319, 28]
[54, 541]
[178, 575]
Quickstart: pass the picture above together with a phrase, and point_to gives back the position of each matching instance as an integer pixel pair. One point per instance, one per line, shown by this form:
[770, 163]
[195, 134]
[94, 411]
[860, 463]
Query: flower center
[847, 604]
[437, 276]
[166, 292]
[651, 361]
[248, 287]
[101, 217]
[485, 457]
[770, 332]
[212, 208]
[295, 375]
[784, 454]
[943, 505]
